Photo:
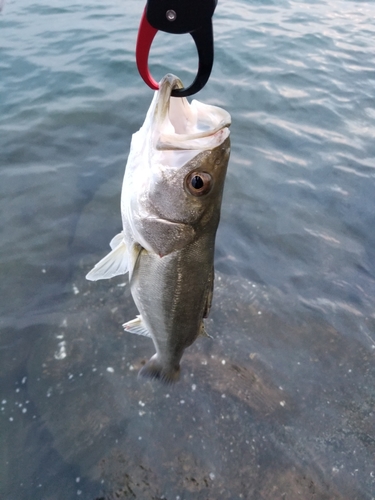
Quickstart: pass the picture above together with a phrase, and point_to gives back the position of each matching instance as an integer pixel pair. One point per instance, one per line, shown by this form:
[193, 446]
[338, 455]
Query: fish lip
[168, 83]
[167, 221]
[165, 139]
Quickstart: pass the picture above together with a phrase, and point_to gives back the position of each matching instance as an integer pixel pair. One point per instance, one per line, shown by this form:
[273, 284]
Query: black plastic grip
[179, 16]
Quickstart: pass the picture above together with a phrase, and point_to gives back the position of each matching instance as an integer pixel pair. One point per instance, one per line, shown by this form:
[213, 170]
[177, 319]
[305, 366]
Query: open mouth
[185, 126]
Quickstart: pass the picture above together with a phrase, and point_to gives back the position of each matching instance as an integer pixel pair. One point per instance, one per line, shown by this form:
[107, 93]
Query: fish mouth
[179, 125]
[170, 222]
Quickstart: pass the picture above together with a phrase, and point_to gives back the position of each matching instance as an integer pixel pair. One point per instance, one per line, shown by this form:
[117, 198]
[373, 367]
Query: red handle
[146, 34]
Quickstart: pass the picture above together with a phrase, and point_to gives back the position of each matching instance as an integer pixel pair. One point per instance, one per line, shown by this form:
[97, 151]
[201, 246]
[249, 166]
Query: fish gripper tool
[178, 16]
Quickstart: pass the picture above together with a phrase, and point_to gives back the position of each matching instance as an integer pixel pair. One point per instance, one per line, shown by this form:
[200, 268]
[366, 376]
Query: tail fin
[155, 370]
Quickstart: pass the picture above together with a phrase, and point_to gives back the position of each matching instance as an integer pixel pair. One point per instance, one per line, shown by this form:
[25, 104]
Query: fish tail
[155, 370]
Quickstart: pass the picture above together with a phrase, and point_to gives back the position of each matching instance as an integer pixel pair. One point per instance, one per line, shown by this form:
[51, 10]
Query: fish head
[180, 179]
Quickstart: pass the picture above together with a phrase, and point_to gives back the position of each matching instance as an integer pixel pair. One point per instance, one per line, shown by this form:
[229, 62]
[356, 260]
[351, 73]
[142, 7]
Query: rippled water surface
[281, 403]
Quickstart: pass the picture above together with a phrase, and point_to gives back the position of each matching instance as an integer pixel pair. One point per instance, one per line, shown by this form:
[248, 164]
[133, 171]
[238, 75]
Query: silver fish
[170, 206]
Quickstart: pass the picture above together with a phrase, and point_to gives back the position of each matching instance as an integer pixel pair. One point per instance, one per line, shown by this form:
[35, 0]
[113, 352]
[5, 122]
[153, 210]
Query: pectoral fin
[113, 264]
[136, 326]
[116, 240]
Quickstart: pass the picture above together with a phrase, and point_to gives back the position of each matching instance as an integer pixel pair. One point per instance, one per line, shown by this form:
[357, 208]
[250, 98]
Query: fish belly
[171, 294]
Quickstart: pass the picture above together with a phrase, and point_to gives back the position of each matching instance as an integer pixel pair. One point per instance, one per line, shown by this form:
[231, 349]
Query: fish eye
[198, 183]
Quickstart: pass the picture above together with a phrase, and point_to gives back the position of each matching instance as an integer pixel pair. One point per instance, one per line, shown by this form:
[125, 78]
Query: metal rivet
[171, 15]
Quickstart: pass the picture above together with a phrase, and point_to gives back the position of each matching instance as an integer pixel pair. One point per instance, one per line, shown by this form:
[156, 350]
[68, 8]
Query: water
[281, 404]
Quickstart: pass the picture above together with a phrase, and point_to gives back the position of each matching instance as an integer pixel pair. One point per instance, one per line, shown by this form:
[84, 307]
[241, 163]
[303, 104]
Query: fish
[170, 205]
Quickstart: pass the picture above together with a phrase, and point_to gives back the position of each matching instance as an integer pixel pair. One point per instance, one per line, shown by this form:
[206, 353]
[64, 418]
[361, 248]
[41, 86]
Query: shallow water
[281, 404]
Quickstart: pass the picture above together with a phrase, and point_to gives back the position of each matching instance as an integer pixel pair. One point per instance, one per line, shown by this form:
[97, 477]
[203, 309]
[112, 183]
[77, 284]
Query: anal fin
[136, 326]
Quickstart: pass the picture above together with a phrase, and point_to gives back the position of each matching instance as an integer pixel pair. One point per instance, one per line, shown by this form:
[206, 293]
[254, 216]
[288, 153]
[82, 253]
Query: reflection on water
[280, 403]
